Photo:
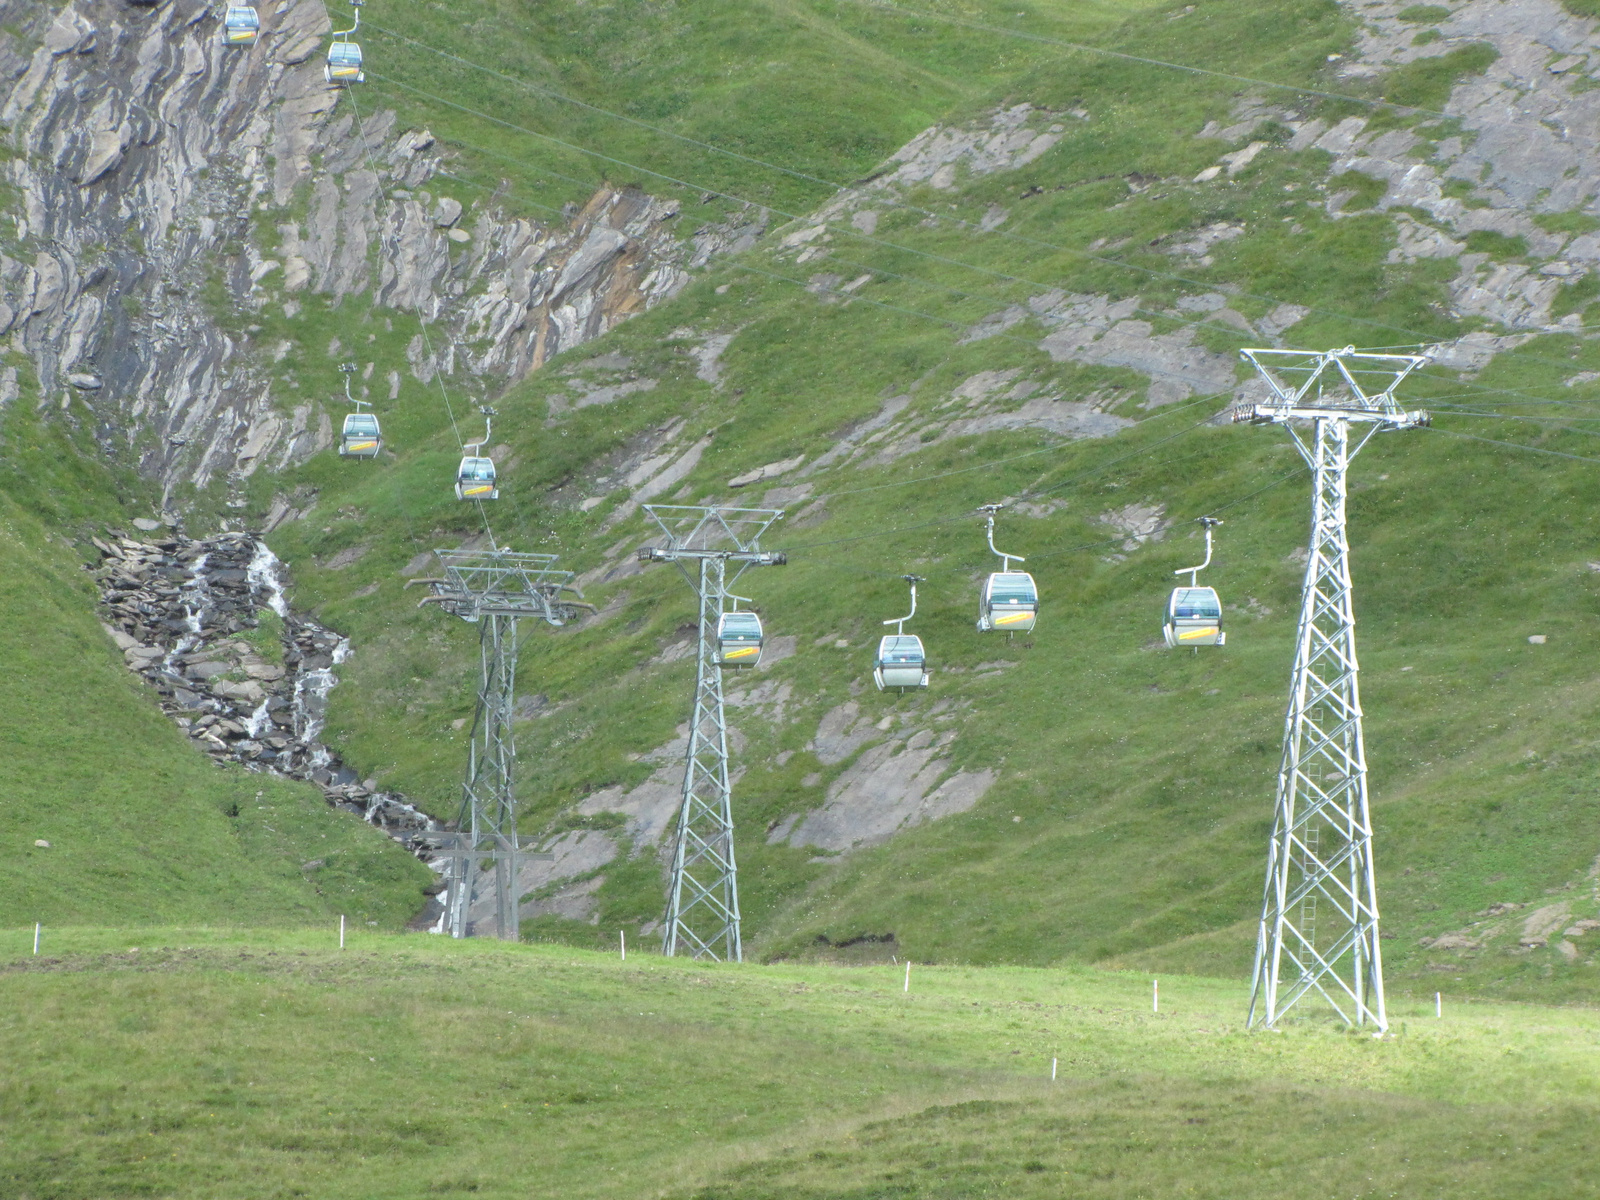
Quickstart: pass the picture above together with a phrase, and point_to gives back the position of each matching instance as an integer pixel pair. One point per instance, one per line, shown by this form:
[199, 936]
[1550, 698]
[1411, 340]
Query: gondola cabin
[344, 63]
[1194, 618]
[361, 437]
[241, 25]
[1010, 603]
[739, 638]
[475, 479]
[901, 662]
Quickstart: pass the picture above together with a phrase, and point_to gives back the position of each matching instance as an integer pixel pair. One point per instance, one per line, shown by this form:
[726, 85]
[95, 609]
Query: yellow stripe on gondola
[476, 491]
[1013, 618]
[363, 445]
[248, 36]
[1190, 634]
[742, 653]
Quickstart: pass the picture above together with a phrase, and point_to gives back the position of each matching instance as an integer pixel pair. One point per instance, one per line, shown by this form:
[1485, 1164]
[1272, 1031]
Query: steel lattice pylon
[494, 589]
[703, 894]
[1319, 909]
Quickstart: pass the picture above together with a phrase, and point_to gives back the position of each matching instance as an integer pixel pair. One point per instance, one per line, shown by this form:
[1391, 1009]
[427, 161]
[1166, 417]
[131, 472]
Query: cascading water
[310, 704]
[265, 573]
[195, 597]
[260, 721]
[186, 610]
[314, 678]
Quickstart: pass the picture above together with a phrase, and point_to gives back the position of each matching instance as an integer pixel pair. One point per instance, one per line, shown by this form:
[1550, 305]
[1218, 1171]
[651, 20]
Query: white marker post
[1052, 1070]
[341, 931]
[908, 976]
[622, 938]
[1155, 995]
[36, 937]
[1438, 1004]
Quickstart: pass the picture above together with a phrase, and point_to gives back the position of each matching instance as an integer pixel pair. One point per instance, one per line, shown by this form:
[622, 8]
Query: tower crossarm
[1276, 414]
[774, 558]
[701, 527]
[502, 583]
[1356, 385]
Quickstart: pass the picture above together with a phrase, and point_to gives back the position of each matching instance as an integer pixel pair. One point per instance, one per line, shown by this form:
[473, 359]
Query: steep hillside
[1102, 798]
[1032, 288]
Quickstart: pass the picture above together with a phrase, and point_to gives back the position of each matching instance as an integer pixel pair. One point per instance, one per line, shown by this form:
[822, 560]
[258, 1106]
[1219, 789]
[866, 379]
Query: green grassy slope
[142, 826]
[1131, 812]
[183, 1063]
[826, 89]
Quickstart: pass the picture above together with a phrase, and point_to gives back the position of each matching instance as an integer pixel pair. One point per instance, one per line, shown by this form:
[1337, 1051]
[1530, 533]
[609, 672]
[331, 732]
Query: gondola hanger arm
[1194, 572]
[899, 622]
[989, 511]
[340, 34]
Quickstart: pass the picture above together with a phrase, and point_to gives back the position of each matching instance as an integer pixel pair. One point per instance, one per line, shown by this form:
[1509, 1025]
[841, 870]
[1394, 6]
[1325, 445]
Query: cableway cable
[422, 321]
[969, 226]
[895, 202]
[1318, 93]
[893, 246]
[1514, 445]
[992, 463]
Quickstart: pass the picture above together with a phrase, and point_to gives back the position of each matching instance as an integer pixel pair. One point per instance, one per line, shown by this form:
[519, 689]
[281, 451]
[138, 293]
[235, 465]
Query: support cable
[895, 202]
[422, 322]
[1023, 35]
[1033, 345]
[877, 270]
[1472, 437]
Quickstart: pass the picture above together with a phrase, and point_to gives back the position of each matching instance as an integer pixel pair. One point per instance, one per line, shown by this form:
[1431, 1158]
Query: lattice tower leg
[488, 815]
[1319, 912]
[703, 896]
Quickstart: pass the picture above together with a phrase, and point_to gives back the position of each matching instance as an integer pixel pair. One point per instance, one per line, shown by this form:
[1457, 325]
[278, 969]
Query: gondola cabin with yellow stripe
[739, 639]
[1194, 618]
[1194, 613]
[343, 65]
[1009, 602]
[241, 25]
[361, 437]
[475, 477]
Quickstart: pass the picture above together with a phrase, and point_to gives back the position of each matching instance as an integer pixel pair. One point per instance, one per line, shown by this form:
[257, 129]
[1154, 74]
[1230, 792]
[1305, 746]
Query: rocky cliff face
[157, 182]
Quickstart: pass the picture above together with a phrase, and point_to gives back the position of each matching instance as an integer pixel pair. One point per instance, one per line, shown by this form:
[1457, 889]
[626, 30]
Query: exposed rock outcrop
[159, 174]
[1527, 145]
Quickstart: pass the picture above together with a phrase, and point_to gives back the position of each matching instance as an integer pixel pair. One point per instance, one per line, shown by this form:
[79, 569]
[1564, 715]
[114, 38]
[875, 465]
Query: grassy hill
[187, 1063]
[1130, 813]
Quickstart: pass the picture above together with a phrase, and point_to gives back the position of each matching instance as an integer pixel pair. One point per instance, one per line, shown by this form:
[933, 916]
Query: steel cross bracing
[1319, 910]
[703, 894]
[494, 589]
